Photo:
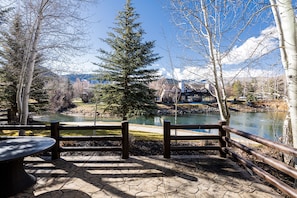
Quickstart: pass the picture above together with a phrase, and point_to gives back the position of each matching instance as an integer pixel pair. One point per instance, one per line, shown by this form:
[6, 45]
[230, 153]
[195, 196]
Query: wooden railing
[227, 146]
[123, 138]
[55, 129]
[5, 116]
[268, 160]
[168, 137]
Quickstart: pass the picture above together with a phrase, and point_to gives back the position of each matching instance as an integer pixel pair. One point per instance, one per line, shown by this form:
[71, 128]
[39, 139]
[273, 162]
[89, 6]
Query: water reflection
[268, 125]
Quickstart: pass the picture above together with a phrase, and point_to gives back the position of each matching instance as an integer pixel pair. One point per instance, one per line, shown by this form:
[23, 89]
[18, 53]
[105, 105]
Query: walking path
[142, 176]
[133, 127]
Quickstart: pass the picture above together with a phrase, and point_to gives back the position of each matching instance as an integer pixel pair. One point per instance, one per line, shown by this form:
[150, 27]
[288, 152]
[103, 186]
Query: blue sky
[155, 20]
[157, 23]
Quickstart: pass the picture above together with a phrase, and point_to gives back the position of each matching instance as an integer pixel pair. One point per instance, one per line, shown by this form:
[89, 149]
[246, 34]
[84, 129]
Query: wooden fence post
[9, 116]
[166, 136]
[125, 140]
[222, 133]
[55, 133]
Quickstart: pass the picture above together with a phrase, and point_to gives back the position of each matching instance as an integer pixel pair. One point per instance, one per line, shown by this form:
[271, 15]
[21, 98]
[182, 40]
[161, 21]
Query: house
[195, 92]
[170, 90]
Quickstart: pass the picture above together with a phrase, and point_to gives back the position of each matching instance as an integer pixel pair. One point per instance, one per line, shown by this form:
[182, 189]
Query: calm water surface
[267, 125]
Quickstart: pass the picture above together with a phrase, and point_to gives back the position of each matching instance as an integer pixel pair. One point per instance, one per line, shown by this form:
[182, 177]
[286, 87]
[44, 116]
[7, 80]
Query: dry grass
[138, 135]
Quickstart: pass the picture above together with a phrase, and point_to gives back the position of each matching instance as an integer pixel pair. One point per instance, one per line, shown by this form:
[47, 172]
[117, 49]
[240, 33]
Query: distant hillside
[90, 77]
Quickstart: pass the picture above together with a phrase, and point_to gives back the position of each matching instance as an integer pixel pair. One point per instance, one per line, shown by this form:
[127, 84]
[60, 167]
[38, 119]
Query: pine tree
[125, 68]
[11, 56]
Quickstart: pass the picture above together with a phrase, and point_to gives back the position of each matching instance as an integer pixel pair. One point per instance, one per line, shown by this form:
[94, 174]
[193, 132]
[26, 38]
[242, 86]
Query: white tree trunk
[26, 77]
[60, 27]
[287, 139]
[286, 24]
[284, 16]
[214, 61]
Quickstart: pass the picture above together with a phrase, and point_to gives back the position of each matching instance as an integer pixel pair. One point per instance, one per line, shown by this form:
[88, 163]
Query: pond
[267, 125]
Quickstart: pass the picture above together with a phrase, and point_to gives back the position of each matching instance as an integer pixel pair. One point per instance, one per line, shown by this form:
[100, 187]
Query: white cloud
[192, 73]
[199, 74]
[163, 72]
[253, 47]
[186, 73]
[251, 73]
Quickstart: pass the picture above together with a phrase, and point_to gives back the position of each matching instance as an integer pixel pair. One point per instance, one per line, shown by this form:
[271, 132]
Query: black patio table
[13, 177]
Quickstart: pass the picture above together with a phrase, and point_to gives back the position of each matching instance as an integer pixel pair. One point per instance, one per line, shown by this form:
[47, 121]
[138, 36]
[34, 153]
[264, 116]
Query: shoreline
[89, 110]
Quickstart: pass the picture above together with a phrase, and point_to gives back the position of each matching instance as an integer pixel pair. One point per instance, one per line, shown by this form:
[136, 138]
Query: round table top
[12, 148]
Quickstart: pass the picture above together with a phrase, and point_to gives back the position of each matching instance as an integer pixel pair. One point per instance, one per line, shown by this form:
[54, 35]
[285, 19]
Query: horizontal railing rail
[168, 138]
[268, 160]
[123, 139]
[25, 127]
[5, 115]
[275, 145]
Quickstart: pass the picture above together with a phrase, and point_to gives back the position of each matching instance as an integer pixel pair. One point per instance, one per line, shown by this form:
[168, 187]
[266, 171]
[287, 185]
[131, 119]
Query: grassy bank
[137, 135]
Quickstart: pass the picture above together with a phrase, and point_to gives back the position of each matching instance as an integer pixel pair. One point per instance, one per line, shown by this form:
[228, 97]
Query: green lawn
[138, 135]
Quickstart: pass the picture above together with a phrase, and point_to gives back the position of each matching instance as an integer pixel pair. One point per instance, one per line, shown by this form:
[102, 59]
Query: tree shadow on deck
[139, 176]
